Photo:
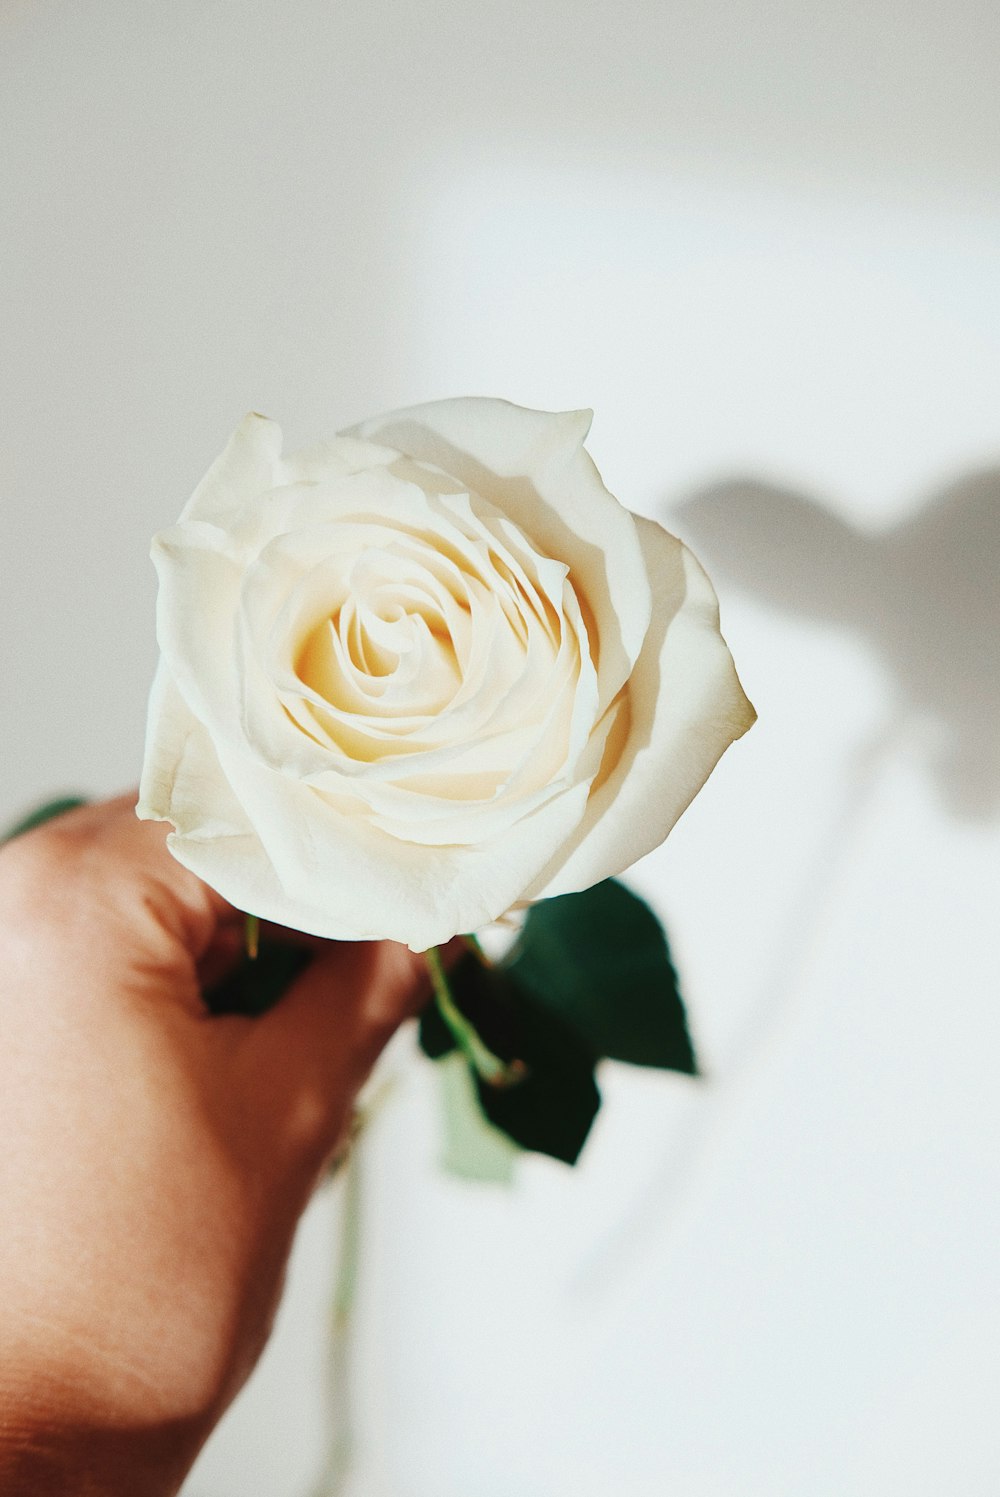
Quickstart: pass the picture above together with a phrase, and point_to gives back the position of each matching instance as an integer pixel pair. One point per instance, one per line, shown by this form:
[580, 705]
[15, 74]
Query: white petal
[249, 465]
[687, 706]
[336, 459]
[504, 439]
[342, 878]
[183, 783]
[196, 610]
[181, 779]
[532, 465]
[317, 869]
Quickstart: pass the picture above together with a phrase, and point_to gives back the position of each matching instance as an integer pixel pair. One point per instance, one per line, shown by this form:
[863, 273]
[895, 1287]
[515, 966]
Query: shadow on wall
[924, 594]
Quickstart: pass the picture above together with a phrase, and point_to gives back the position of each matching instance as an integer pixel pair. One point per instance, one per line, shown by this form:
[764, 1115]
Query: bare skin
[154, 1161]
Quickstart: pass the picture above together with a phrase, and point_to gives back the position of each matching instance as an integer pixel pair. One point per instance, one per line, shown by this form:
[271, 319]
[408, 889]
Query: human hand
[154, 1161]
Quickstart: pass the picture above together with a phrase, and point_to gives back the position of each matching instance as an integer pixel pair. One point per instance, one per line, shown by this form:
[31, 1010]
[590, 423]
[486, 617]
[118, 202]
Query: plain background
[761, 240]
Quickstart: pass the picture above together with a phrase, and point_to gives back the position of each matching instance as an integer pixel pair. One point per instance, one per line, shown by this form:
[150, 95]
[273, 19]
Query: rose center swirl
[412, 638]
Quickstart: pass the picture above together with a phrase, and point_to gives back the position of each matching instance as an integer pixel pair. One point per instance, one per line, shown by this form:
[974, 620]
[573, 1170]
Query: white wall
[762, 241]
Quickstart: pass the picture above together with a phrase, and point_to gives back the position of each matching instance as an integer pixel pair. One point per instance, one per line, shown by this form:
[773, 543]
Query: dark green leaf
[549, 1110]
[487, 1006]
[599, 960]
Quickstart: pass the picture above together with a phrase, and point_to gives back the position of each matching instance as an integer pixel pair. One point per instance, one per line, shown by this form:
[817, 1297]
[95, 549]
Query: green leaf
[473, 1149]
[44, 813]
[551, 1108]
[599, 960]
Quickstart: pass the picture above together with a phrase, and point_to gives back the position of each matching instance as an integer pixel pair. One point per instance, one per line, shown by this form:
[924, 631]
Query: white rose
[425, 673]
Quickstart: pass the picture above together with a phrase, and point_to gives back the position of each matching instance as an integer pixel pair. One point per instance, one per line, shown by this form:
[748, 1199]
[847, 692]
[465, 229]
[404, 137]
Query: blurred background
[762, 240]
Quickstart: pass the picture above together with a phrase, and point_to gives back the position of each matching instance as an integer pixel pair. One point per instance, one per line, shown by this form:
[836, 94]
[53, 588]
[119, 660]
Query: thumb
[346, 1006]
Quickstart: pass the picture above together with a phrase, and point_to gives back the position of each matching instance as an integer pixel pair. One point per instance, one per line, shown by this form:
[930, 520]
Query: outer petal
[250, 464]
[343, 878]
[196, 610]
[183, 783]
[532, 465]
[339, 458]
[687, 707]
[312, 866]
[181, 779]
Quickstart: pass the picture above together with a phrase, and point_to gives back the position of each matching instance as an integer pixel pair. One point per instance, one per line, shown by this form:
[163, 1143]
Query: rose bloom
[425, 673]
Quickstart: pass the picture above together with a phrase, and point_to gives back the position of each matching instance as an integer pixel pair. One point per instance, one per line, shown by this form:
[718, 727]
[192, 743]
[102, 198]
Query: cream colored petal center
[437, 659]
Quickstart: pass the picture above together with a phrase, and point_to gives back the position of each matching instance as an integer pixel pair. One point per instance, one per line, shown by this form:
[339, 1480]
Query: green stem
[251, 935]
[487, 1065]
